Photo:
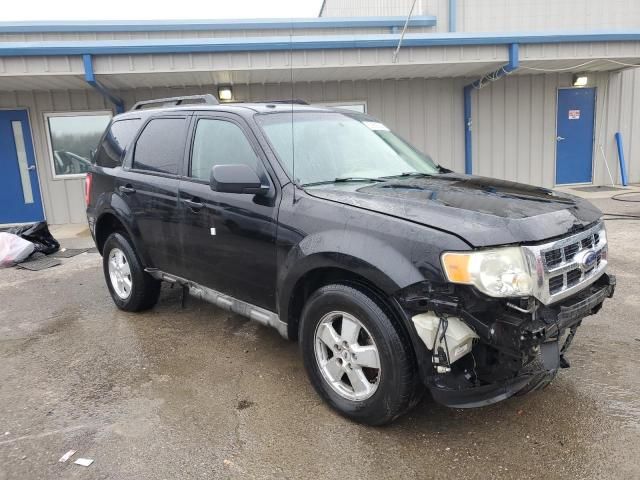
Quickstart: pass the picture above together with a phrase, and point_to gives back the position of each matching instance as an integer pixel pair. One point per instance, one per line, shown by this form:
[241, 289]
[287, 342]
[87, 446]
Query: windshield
[330, 146]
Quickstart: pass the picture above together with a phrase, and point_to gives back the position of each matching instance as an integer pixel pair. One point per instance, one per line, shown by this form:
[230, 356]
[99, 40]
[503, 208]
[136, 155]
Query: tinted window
[218, 142]
[160, 147]
[116, 141]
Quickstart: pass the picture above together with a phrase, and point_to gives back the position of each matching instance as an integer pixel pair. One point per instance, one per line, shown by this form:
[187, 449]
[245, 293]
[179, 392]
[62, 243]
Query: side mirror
[236, 179]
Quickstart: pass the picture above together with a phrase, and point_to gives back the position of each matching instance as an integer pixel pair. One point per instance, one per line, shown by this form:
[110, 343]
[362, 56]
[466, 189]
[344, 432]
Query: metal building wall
[514, 127]
[546, 15]
[513, 123]
[503, 15]
[63, 199]
[619, 112]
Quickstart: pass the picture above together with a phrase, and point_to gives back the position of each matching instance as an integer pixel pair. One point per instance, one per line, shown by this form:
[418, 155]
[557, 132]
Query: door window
[160, 146]
[21, 152]
[219, 142]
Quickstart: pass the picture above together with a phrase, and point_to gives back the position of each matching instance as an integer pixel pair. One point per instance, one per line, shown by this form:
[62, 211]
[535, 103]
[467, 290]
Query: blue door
[20, 200]
[574, 139]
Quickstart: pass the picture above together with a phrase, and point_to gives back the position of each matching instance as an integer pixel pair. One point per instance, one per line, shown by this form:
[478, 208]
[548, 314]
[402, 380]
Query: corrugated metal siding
[63, 199]
[619, 102]
[541, 15]
[504, 15]
[513, 123]
[514, 127]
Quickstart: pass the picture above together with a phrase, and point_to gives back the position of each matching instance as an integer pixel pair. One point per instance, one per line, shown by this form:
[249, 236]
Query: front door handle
[559, 138]
[126, 189]
[192, 204]
[31, 167]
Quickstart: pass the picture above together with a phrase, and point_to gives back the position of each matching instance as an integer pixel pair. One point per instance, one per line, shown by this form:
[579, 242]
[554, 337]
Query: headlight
[501, 272]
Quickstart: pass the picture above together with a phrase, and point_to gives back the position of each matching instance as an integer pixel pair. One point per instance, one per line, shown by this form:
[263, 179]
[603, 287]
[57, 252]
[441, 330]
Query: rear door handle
[559, 138]
[193, 204]
[126, 189]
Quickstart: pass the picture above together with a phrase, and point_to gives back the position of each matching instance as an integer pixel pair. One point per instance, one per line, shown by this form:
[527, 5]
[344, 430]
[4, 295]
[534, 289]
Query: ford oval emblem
[587, 260]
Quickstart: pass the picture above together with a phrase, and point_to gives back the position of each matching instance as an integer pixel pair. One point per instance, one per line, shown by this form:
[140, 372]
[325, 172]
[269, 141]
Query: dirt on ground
[196, 392]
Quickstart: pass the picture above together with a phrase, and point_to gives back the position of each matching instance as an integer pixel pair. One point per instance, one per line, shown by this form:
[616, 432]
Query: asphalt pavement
[200, 393]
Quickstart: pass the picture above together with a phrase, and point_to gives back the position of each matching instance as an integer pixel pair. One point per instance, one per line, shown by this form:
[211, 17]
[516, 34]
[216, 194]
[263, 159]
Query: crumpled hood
[483, 211]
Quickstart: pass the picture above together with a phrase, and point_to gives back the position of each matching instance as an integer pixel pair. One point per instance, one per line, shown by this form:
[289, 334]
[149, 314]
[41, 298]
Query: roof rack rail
[296, 101]
[189, 99]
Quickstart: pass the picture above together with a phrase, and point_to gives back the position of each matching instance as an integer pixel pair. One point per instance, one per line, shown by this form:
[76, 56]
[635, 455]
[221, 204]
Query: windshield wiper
[410, 174]
[345, 180]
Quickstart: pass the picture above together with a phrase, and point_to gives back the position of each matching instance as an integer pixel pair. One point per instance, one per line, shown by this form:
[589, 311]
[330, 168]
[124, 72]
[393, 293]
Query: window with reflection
[73, 139]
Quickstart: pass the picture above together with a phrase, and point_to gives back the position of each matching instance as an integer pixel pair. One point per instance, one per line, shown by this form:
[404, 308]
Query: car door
[228, 239]
[149, 187]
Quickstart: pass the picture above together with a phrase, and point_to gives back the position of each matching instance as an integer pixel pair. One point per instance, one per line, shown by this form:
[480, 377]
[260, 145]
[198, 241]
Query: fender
[111, 203]
[357, 252]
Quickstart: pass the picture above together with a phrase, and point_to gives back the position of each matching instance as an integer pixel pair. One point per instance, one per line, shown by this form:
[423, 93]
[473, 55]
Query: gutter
[90, 78]
[217, 25]
[514, 63]
[296, 43]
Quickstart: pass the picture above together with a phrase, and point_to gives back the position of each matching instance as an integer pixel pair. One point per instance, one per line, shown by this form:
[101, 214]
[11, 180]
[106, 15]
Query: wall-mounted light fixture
[580, 80]
[225, 93]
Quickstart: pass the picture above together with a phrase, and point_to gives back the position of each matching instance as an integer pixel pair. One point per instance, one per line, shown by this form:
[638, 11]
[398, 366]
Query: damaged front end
[478, 350]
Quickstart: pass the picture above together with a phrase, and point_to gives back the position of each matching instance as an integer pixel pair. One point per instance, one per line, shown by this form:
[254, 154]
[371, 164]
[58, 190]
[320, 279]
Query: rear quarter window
[116, 141]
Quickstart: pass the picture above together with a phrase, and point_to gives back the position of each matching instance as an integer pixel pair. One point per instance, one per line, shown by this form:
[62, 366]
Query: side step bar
[260, 315]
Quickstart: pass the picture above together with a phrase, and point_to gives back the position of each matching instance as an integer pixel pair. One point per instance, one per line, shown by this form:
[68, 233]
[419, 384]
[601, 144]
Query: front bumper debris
[517, 351]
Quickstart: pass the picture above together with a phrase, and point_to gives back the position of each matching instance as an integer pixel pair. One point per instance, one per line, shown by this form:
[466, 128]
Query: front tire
[357, 358]
[131, 288]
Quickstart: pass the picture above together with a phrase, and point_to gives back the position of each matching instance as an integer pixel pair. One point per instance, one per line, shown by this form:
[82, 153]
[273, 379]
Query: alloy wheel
[120, 273]
[347, 356]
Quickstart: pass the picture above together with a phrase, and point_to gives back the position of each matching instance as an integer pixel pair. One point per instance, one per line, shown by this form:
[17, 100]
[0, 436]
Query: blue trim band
[453, 15]
[321, 42]
[198, 25]
[468, 155]
[90, 78]
[623, 165]
[514, 63]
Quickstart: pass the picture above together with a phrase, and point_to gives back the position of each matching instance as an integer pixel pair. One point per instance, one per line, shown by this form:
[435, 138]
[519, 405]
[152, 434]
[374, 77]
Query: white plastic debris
[85, 462]
[13, 249]
[67, 456]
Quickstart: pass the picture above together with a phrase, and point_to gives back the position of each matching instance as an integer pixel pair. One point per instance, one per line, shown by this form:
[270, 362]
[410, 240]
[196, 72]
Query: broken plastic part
[456, 341]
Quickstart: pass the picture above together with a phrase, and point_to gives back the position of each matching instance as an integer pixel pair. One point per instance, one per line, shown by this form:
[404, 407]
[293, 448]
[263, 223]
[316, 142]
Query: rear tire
[131, 288]
[357, 358]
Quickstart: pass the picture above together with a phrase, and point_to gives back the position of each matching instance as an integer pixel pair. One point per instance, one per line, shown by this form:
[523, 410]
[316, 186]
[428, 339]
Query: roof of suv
[240, 108]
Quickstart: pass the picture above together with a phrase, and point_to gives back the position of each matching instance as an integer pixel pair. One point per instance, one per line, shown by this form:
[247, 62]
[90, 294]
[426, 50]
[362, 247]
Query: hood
[482, 211]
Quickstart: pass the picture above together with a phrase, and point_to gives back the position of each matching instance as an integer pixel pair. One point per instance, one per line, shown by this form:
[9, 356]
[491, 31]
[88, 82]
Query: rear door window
[116, 141]
[160, 146]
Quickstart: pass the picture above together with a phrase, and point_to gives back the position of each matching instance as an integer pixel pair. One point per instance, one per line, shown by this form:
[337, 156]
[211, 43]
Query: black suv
[392, 272]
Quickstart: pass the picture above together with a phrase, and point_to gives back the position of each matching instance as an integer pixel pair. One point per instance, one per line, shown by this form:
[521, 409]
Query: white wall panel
[504, 15]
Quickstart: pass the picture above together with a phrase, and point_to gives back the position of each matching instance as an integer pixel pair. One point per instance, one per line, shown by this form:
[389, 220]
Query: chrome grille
[558, 265]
